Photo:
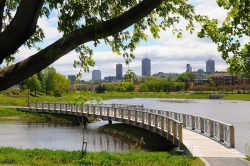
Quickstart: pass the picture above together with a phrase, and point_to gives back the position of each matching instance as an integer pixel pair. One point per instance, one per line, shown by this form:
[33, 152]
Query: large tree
[82, 21]
[33, 83]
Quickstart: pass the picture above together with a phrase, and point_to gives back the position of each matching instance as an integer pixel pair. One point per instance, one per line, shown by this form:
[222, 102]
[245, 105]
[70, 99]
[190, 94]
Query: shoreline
[76, 96]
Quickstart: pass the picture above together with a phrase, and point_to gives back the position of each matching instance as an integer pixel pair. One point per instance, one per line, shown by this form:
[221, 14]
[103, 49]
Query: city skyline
[188, 68]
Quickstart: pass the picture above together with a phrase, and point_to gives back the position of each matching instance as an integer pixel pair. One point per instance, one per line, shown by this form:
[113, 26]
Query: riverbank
[11, 114]
[13, 156]
[83, 96]
[141, 137]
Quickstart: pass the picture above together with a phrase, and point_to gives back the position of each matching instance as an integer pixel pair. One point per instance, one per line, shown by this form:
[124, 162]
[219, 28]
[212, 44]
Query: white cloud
[168, 54]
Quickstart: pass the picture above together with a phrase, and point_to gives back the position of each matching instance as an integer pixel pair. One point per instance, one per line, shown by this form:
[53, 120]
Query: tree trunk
[35, 63]
[21, 28]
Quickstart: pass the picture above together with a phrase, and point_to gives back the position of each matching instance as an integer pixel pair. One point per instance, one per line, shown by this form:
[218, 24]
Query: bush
[14, 92]
[57, 93]
[120, 87]
[161, 86]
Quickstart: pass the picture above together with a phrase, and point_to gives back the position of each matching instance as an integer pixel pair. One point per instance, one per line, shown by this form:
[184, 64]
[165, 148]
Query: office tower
[188, 68]
[96, 75]
[146, 67]
[72, 79]
[210, 66]
[119, 71]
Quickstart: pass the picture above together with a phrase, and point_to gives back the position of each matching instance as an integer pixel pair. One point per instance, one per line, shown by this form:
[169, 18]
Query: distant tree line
[244, 89]
[148, 86]
[161, 86]
[47, 81]
[116, 87]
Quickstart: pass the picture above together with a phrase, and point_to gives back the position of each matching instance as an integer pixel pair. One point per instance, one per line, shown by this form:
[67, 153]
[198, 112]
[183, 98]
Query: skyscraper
[188, 68]
[96, 75]
[146, 67]
[72, 79]
[210, 66]
[119, 71]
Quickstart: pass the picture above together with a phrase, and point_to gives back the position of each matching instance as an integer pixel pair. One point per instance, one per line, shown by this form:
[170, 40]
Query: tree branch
[2, 5]
[21, 28]
[37, 62]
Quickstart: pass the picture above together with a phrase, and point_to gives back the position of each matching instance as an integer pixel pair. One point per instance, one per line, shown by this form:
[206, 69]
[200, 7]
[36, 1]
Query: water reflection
[23, 135]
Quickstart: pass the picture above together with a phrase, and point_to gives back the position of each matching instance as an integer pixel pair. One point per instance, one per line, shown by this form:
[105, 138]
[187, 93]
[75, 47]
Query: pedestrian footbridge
[202, 137]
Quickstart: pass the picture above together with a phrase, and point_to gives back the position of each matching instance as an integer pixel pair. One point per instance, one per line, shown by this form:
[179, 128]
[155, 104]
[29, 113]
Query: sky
[168, 54]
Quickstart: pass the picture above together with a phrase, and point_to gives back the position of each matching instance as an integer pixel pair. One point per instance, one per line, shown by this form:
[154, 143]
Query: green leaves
[76, 14]
[85, 59]
[231, 34]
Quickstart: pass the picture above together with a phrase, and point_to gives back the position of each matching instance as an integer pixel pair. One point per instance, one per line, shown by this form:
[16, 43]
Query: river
[236, 113]
[23, 135]
[58, 137]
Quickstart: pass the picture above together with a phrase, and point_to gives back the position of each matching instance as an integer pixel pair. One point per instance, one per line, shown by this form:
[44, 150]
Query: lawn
[84, 96]
[12, 156]
[12, 114]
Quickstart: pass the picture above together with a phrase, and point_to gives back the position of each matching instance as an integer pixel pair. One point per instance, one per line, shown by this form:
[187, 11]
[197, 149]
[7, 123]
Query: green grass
[12, 156]
[248, 158]
[12, 114]
[151, 95]
[7, 100]
[245, 97]
[152, 141]
[72, 97]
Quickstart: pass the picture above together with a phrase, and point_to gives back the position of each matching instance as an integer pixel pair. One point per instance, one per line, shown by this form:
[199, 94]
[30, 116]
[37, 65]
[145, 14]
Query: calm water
[236, 113]
[23, 135]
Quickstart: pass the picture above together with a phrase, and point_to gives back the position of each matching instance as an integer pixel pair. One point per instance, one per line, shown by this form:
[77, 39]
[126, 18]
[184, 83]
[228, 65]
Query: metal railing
[136, 115]
[160, 121]
[216, 130]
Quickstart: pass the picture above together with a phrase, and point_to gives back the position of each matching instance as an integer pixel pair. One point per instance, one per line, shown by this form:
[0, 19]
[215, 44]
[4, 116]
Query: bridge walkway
[202, 137]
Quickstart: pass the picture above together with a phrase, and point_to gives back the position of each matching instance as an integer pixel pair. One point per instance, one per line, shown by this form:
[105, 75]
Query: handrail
[133, 115]
[219, 131]
[216, 130]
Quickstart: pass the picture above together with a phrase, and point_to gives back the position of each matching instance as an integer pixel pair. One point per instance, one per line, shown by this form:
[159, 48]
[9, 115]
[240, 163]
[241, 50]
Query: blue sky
[167, 54]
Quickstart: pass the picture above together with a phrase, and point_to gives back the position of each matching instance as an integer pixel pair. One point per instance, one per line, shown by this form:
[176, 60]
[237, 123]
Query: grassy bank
[9, 114]
[12, 156]
[141, 137]
[8, 100]
[244, 97]
[72, 97]
[248, 158]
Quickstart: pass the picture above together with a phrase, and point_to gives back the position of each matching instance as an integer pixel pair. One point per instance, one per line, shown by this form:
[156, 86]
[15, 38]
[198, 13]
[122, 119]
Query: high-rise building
[96, 75]
[210, 66]
[72, 79]
[146, 67]
[188, 68]
[119, 71]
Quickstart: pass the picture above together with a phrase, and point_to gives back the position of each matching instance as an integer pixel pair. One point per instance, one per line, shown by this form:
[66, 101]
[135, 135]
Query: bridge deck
[201, 146]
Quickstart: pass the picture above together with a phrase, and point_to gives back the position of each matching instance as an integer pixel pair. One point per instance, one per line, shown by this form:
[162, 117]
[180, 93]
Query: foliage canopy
[121, 24]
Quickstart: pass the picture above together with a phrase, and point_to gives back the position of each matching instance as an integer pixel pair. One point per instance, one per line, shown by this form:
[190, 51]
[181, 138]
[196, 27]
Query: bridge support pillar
[110, 122]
